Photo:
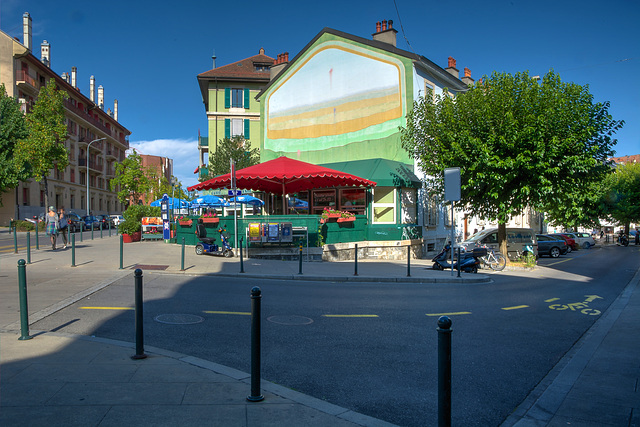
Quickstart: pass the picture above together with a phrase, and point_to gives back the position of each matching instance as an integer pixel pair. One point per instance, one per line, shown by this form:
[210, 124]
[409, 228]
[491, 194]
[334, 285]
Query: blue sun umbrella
[209, 201]
[296, 203]
[247, 200]
[174, 203]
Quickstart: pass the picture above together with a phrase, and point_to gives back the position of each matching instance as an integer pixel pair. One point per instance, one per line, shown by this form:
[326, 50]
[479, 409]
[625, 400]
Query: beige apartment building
[96, 140]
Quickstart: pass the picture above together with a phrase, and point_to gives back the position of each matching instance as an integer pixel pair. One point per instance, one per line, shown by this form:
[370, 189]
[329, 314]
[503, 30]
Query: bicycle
[495, 260]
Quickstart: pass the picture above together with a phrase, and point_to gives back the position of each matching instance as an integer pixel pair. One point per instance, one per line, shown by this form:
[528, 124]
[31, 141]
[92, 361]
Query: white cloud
[183, 152]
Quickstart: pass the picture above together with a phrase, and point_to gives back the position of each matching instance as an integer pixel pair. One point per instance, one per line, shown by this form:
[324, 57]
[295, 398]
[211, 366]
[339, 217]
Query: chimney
[45, 53]
[92, 89]
[26, 30]
[452, 67]
[65, 77]
[281, 61]
[261, 51]
[384, 33]
[74, 71]
[101, 97]
[213, 57]
[467, 77]
[115, 110]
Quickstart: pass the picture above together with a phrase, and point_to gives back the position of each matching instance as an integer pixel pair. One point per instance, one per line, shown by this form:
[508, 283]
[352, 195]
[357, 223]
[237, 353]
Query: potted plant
[210, 218]
[184, 221]
[329, 213]
[130, 230]
[346, 217]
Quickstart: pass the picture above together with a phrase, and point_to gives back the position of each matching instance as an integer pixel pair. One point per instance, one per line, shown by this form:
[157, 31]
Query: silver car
[584, 240]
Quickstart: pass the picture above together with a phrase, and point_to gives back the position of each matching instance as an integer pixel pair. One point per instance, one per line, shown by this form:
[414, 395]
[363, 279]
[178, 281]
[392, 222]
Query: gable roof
[418, 60]
[240, 71]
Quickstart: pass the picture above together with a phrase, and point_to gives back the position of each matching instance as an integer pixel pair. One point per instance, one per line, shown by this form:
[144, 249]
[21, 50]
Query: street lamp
[88, 146]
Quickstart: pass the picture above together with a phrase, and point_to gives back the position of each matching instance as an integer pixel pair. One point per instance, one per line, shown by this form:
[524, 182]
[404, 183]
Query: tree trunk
[502, 239]
[46, 194]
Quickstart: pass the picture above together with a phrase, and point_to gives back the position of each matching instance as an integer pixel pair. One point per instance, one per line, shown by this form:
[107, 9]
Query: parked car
[117, 219]
[551, 245]
[572, 245]
[32, 219]
[105, 220]
[75, 221]
[519, 240]
[583, 239]
[90, 221]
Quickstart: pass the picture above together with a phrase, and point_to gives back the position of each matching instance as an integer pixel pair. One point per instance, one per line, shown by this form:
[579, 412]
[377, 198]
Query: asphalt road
[373, 347]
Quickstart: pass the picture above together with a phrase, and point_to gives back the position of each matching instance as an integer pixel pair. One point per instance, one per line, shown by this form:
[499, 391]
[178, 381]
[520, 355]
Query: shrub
[133, 217]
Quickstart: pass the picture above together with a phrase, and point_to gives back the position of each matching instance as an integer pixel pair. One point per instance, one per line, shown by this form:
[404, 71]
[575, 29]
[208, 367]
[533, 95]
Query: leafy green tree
[131, 180]
[13, 127]
[236, 148]
[621, 194]
[161, 185]
[518, 143]
[43, 149]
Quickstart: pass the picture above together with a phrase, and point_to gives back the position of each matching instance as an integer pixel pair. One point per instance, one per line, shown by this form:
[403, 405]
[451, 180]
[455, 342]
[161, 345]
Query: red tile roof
[244, 69]
[635, 158]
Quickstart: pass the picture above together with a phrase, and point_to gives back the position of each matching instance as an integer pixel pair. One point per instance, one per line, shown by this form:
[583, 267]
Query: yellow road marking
[448, 314]
[349, 315]
[558, 262]
[106, 308]
[515, 307]
[228, 312]
[551, 299]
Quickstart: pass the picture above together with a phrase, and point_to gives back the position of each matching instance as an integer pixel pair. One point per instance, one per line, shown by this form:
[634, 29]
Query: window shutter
[227, 128]
[227, 97]
[246, 128]
[247, 95]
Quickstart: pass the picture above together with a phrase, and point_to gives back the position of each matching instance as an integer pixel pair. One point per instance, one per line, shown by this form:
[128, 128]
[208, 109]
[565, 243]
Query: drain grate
[150, 267]
[178, 319]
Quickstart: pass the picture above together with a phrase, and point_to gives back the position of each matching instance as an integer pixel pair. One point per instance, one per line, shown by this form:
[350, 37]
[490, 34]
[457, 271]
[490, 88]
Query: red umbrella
[286, 176]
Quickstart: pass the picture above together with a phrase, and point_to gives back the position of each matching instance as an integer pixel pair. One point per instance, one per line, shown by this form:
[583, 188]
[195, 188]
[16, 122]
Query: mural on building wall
[339, 93]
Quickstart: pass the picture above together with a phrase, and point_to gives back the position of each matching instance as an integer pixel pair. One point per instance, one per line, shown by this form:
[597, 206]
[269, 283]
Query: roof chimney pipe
[115, 110]
[451, 69]
[92, 89]
[45, 53]
[101, 97]
[385, 34]
[213, 57]
[26, 30]
[74, 71]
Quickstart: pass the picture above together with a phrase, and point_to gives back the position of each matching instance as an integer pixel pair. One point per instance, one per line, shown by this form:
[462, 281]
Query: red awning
[197, 169]
[285, 176]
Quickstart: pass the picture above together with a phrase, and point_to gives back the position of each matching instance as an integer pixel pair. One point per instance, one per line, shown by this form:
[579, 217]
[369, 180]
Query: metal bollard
[300, 260]
[109, 228]
[255, 346]
[139, 330]
[121, 251]
[459, 261]
[444, 371]
[24, 311]
[101, 227]
[81, 230]
[28, 247]
[91, 231]
[73, 250]
[355, 259]
[409, 261]
[182, 257]
[37, 240]
[241, 261]
[15, 239]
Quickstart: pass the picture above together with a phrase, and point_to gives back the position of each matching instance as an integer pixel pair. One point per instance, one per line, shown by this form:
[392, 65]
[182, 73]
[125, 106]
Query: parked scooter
[207, 244]
[469, 261]
[623, 239]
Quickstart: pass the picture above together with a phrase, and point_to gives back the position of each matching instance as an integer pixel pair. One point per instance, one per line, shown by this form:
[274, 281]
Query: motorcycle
[469, 261]
[623, 240]
[207, 245]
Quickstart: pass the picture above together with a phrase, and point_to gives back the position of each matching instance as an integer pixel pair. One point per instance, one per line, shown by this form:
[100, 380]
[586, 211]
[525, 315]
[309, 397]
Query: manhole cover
[290, 320]
[179, 319]
[150, 267]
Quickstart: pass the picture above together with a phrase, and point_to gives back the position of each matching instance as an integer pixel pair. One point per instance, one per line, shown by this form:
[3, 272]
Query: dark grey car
[551, 245]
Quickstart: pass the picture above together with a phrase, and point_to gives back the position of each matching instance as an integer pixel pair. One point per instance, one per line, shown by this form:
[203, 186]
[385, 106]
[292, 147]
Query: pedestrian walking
[52, 226]
[64, 226]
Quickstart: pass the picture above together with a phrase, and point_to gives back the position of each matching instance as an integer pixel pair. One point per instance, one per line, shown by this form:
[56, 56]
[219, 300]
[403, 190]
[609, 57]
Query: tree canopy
[621, 194]
[236, 148]
[131, 179]
[13, 128]
[518, 142]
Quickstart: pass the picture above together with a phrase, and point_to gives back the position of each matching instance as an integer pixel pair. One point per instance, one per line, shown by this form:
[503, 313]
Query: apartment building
[96, 140]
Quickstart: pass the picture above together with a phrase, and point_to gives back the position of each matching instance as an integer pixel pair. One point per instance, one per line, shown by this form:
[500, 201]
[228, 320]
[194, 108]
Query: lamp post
[89, 146]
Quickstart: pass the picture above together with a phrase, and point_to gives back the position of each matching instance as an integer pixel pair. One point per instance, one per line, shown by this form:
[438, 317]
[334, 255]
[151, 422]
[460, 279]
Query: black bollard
[73, 250]
[355, 260]
[37, 240]
[28, 247]
[459, 261]
[182, 257]
[256, 296]
[300, 260]
[241, 262]
[92, 231]
[24, 311]
[81, 231]
[139, 330]
[444, 371]
[121, 251]
[109, 228]
[409, 261]
[101, 227]
[15, 239]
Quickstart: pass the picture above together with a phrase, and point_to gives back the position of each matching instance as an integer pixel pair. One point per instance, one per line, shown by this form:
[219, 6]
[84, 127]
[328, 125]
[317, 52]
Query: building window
[323, 199]
[72, 201]
[384, 206]
[353, 200]
[408, 198]
[73, 175]
[236, 98]
[25, 196]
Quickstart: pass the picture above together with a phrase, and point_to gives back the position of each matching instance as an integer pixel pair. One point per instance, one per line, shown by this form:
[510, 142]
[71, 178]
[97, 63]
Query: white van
[519, 240]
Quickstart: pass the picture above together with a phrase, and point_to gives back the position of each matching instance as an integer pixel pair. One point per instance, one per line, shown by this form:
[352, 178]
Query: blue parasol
[173, 203]
[209, 201]
[247, 200]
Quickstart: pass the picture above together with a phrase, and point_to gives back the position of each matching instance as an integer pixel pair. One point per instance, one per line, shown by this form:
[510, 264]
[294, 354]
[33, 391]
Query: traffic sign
[238, 193]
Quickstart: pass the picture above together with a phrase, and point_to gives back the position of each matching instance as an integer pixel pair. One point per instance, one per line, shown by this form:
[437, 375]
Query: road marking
[448, 314]
[350, 315]
[558, 262]
[582, 307]
[591, 298]
[517, 307]
[239, 313]
[106, 308]
[551, 299]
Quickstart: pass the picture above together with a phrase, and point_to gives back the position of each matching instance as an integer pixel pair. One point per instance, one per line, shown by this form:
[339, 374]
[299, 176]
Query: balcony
[94, 166]
[25, 82]
[203, 142]
[85, 116]
[203, 174]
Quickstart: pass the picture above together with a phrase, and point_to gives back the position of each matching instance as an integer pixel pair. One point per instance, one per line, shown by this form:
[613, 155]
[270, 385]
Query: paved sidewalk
[56, 379]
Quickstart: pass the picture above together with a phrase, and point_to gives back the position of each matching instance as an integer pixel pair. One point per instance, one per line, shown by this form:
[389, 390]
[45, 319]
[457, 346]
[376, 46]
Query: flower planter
[186, 223]
[352, 219]
[130, 238]
[210, 220]
[334, 215]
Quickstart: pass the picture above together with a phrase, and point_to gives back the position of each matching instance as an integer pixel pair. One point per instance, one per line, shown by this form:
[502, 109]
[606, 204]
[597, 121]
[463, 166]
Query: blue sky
[147, 54]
